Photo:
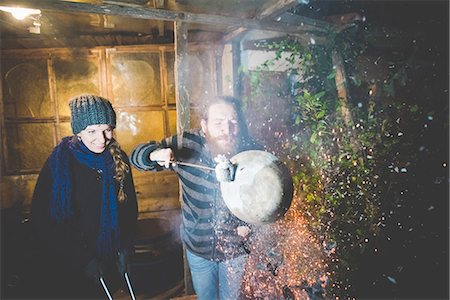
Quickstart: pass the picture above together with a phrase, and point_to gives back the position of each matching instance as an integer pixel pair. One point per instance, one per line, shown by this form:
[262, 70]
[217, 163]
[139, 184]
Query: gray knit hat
[88, 110]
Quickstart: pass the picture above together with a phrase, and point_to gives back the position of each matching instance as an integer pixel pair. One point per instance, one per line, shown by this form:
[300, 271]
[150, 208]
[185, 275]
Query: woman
[84, 208]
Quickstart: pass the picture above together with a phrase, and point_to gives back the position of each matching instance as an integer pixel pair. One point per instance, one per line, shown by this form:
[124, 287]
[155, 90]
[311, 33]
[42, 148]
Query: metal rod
[105, 288]
[129, 286]
[189, 165]
[194, 165]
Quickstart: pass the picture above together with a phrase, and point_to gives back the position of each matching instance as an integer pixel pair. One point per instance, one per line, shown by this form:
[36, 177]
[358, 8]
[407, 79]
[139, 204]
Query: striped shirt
[208, 227]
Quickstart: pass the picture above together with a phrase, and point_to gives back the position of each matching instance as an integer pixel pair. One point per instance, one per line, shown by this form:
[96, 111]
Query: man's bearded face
[222, 129]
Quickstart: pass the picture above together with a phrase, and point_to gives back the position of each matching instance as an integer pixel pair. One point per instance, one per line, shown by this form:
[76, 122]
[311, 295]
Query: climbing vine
[348, 176]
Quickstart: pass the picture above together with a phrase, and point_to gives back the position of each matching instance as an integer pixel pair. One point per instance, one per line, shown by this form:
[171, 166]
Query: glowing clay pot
[262, 189]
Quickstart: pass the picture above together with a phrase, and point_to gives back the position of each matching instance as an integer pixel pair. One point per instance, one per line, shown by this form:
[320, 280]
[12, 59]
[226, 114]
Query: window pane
[65, 130]
[170, 65]
[135, 79]
[172, 116]
[195, 117]
[25, 88]
[28, 146]
[139, 127]
[74, 76]
[201, 85]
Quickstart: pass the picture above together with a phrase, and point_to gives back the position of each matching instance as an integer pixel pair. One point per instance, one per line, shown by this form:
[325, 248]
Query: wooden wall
[139, 80]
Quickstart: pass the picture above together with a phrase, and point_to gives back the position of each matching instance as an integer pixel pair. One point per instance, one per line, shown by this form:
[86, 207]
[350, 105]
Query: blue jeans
[216, 280]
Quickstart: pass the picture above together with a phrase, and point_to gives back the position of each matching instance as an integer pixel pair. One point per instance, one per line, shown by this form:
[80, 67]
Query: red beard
[225, 145]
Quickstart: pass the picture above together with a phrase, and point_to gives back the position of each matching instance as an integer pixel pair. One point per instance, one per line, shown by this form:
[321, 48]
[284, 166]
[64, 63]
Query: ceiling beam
[160, 4]
[165, 15]
[274, 9]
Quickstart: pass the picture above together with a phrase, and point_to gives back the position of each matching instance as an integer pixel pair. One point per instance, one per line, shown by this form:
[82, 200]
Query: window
[37, 85]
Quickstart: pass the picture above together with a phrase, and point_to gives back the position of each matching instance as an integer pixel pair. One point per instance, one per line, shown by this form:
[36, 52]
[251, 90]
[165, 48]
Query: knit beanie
[88, 110]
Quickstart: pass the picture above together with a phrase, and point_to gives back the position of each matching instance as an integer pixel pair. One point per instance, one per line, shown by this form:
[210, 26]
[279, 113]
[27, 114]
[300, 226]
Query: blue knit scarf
[61, 203]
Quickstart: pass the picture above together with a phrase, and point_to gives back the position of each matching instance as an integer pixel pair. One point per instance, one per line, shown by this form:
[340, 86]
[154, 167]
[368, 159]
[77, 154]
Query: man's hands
[164, 157]
[224, 169]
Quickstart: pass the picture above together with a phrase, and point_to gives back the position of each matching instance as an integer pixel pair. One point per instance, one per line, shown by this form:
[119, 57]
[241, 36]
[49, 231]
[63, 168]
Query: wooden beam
[341, 85]
[218, 55]
[183, 111]
[4, 149]
[161, 30]
[278, 9]
[235, 34]
[237, 76]
[181, 77]
[274, 8]
[159, 4]
[164, 15]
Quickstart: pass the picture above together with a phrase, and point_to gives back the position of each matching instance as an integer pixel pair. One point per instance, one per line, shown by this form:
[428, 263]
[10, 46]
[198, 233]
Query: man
[212, 236]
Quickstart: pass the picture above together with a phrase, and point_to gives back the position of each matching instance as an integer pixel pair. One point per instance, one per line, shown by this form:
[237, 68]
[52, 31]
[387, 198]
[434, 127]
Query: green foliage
[340, 170]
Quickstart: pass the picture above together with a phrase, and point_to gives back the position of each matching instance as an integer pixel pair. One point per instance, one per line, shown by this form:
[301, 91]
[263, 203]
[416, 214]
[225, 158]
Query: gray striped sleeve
[140, 157]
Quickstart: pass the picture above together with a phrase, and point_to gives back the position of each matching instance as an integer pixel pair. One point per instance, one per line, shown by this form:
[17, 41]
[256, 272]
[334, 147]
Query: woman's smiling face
[96, 137]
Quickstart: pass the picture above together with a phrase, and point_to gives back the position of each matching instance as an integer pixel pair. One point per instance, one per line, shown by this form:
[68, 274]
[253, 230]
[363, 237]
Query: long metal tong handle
[130, 288]
[189, 165]
[105, 288]
[127, 279]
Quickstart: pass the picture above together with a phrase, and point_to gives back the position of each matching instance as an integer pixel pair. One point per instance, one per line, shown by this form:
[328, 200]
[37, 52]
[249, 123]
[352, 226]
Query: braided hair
[122, 168]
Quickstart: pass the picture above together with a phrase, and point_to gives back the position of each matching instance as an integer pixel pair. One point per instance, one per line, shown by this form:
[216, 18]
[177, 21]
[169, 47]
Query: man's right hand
[164, 157]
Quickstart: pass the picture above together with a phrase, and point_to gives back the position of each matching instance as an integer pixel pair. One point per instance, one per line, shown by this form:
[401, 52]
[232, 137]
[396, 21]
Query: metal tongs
[127, 279]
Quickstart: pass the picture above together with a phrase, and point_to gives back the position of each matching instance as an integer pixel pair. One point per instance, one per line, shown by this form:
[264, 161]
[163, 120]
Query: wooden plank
[288, 18]
[341, 85]
[183, 107]
[274, 8]
[181, 77]
[167, 15]
[237, 76]
[4, 148]
[233, 35]
[160, 4]
[218, 54]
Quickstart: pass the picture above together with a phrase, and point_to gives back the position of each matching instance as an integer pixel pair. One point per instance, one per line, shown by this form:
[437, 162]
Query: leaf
[313, 138]
[307, 95]
[320, 114]
[320, 94]
[331, 75]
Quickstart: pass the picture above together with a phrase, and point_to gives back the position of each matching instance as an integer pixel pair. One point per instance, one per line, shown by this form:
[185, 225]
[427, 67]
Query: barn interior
[158, 61]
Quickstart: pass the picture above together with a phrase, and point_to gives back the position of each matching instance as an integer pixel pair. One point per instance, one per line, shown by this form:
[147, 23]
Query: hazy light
[20, 13]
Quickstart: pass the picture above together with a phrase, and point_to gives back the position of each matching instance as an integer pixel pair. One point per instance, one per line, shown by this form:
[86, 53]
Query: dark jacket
[208, 227]
[65, 249]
